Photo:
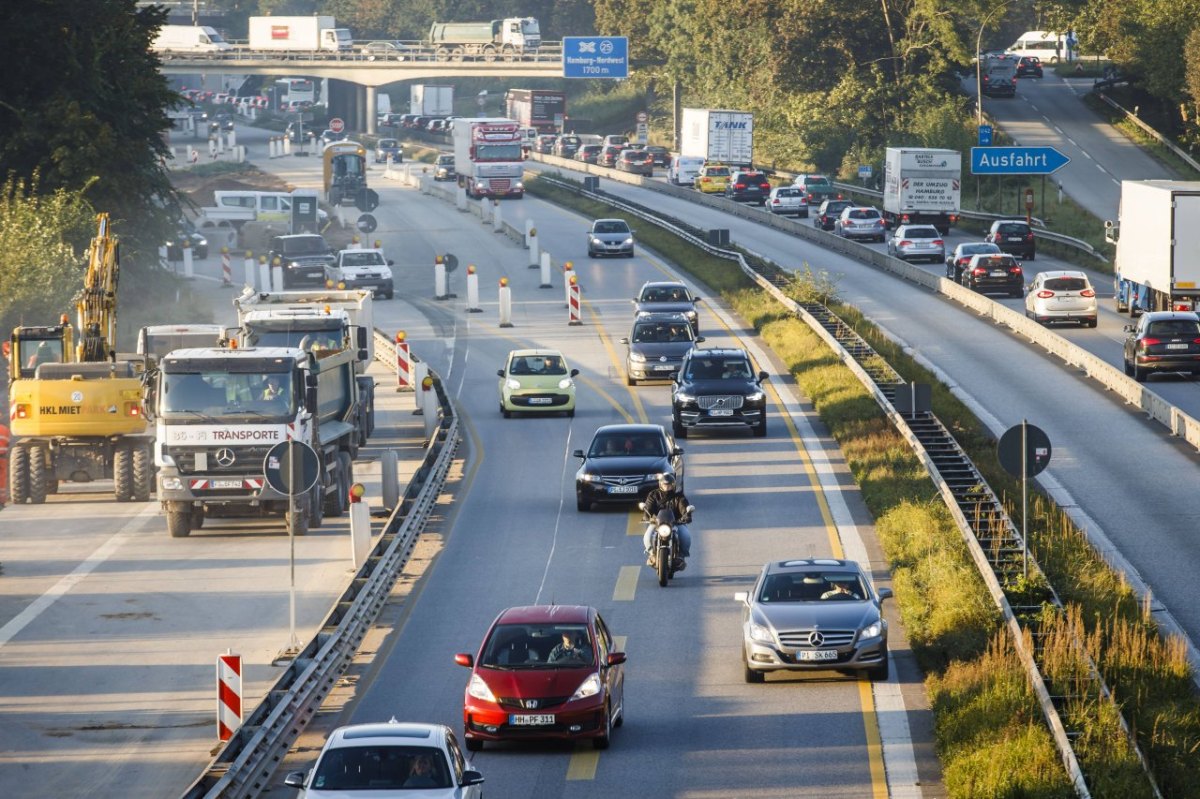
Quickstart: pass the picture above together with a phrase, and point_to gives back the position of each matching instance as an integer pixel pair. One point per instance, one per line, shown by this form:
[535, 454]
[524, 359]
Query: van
[683, 169]
[1050, 47]
[189, 38]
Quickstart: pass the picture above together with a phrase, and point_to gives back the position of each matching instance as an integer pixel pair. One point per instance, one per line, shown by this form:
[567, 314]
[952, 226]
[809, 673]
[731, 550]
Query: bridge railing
[417, 52]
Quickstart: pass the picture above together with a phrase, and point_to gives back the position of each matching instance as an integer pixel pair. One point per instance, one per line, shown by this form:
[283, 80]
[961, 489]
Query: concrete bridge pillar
[372, 109]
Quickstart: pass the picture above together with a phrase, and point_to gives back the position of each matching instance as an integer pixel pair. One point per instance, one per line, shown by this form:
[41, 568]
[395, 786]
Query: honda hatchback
[544, 671]
[1061, 296]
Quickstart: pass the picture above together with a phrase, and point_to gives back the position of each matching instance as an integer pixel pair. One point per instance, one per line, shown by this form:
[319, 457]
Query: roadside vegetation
[990, 733]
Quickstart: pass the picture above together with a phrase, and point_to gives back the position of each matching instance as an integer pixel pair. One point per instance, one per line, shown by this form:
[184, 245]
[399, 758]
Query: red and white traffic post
[226, 270]
[229, 694]
[573, 315]
[404, 379]
[568, 276]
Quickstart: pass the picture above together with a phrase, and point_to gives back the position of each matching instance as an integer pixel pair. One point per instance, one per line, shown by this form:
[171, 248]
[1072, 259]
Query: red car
[544, 672]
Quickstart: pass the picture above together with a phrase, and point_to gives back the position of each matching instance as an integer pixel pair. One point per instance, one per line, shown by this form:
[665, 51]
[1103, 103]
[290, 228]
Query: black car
[1014, 236]
[567, 145]
[1163, 341]
[718, 388]
[1030, 66]
[828, 213]
[186, 233]
[667, 297]
[661, 155]
[958, 260]
[303, 257]
[623, 462]
[748, 186]
[994, 273]
[637, 162]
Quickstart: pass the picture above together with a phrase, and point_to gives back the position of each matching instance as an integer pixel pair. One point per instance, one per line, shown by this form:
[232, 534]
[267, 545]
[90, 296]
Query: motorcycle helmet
[666, 482]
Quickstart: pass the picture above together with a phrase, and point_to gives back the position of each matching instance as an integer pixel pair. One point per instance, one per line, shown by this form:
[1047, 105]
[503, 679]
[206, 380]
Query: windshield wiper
[199, 414]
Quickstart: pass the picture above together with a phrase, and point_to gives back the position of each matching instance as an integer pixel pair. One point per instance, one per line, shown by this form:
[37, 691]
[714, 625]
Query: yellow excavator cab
[34, 346]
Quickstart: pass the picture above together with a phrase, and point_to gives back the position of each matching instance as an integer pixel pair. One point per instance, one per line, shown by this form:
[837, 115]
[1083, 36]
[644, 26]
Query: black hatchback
[1163, 341]
[828, 213]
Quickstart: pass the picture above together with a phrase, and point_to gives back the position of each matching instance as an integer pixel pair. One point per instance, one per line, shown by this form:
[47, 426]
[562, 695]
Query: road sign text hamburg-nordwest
[595, 57]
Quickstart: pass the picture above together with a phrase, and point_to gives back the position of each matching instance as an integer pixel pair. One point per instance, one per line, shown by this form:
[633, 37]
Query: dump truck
[506, 38]
[1157, 234]
[922, 185]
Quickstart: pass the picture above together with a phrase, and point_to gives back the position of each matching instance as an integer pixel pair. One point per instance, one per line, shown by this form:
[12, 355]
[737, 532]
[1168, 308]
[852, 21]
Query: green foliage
[43, 246]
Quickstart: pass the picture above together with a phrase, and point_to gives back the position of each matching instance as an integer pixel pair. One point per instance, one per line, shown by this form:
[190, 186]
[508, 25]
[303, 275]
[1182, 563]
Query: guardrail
[1027, 657]
[246, 762]
[1161, 139]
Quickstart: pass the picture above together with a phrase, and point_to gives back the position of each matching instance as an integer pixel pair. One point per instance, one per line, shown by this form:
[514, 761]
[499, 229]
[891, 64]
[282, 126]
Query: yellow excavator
[76, 409]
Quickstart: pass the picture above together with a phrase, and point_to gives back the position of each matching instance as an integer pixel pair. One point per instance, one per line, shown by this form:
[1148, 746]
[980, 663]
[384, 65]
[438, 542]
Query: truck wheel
[143, 474]
[123, 473]
[179, 523]
[38, 464]
[489, 54]
[346, 474]
[316, 505]
[18, 475]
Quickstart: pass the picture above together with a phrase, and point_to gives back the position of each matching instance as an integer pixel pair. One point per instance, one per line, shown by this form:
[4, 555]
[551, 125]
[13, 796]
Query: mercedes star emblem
[815, 638]
[225, 456]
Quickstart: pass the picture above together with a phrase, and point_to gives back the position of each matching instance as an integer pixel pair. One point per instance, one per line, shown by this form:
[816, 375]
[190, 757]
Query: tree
[83, 105]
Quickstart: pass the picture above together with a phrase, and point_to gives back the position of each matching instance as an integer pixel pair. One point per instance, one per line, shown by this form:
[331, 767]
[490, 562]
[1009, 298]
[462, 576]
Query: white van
[683, 169]
[1050, 47]
[189, 38]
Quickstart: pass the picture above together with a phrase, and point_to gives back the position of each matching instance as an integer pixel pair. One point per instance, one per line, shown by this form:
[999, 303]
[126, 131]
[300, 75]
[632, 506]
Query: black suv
[748, 186]
[1013, 236]
[303, 257]
[718, 388]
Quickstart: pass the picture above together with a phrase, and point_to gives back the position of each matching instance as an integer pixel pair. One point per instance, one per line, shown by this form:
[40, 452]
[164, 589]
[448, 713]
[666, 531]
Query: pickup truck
[363, 269]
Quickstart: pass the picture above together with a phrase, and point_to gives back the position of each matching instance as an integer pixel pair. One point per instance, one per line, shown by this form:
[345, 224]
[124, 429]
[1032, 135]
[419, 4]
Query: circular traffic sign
[337, 124]
[366, 223]
[1037, 449]
[642, 116]
[291, 468]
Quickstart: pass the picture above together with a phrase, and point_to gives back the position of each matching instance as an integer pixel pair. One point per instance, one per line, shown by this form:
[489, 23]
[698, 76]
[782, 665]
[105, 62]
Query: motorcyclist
[668, 497]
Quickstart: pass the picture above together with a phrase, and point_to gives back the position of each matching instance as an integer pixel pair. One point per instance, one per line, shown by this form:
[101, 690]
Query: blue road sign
[985, 135]
[595, 57]
[1016, 160]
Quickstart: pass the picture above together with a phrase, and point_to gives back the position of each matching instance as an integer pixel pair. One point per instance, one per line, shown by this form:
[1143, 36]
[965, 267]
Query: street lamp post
[979, 63]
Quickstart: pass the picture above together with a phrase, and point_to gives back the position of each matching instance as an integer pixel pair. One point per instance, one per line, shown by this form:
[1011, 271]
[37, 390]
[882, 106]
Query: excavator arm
[96, 303]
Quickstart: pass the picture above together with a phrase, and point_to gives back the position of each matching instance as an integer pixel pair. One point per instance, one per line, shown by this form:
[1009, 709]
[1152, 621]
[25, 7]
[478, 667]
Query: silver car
[813, 614]
[788, 201]
[911, 242]
[1061, 296]
[610, 237]
[656, 346]
[859, 222]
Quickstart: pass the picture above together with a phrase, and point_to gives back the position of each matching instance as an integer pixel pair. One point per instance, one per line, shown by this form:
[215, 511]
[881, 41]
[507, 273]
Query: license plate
[817, 654]
[1177, 346]
[663, 367]
[539, 400]
[1015, 238]
[622, 489]
[226, 483]
[721, 412]
[530, 719]
[997, 273]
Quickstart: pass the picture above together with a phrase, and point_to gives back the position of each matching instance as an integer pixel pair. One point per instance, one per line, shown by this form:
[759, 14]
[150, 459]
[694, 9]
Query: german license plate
[530, 719]
[226, 483]
[1177, 346]
[622, 489]
[663, 367]
[1015, 238]
[817, 654]
[997, 273]
[721, 412]
[539, 400]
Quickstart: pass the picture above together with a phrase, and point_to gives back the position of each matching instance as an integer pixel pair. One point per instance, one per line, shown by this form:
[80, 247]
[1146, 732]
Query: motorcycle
[664, 543]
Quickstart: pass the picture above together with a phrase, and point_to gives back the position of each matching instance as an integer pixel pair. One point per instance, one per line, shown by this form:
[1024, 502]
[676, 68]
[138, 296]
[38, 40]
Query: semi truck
[718, 136]
[541, 109]
[1157, 234]
[488, 157]
[218, 412]
[922, 185]
[298, 33]
[431, 101]
[506, 38]
[189, 39]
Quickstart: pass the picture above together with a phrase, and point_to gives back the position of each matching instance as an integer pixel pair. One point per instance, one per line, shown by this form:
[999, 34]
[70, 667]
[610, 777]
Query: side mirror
[574, 373]
[763, 376]
[391, 262]
[696, 299]
[363, 354]
[310, 399]
[471, 777]
[463, 659]
[624, 339]
[294, 779]
[884, 593]
[499, 373]
[741, 596]
[578, 453]
[699, 338]
[1128, 328]
[616, 658]
[677, 451]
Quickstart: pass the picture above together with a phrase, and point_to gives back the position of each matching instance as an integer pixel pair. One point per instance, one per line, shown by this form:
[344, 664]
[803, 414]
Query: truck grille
[719, 401]
[500, 185]
[246, 460]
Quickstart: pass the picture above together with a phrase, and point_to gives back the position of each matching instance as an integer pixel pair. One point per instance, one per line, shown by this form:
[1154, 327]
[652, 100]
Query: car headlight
[627, 241]
[757, 396]
[172, 484]
[588, 477]
[202, 242]
[637, 357]
[479, 689]
[760, 633]
[512, 384]
[519, 185]
[690, 314]
[595, 240]
[385, 273]
[589, 687]
[871, 630]
[565, 383]
[681, 396]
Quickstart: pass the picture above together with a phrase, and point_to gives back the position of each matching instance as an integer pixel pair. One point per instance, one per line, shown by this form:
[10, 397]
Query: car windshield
[308, 245]
[624, 444]
[1173, 327]
[1066, 283]
[665, 294]
[996, 261]
[977, 249]
[661, 332]
[816, 180]
[381, 768]
[634, 155]
[363, 258]
[812, 586]
[445, 160]
[787, 192]
[550, 365]
[538, 646]
[216, 393]
[864, 213]
[717, 171]
[610, 226]
[383, 143]
[1013, 228]
[921, 233]
[717, 369]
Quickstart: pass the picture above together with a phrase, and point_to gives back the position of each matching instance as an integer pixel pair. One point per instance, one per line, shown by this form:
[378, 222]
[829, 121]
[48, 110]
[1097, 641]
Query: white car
[1061, 296]
[788, 201]
[362, 269]
[390, 759]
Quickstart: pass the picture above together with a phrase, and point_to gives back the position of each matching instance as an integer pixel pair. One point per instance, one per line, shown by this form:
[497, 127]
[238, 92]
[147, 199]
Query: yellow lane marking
[584, 760]
[636, 525]
[626, 584]
[874, 741]
[618, 365]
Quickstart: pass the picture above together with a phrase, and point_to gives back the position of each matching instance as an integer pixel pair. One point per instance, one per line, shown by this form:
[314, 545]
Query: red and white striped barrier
[226, 270]
[229, 694]
[404, 376]
[573, 315]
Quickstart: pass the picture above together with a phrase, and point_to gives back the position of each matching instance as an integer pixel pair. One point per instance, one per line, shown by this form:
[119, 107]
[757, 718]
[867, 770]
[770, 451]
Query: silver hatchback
[813, 614]
[912, 242]
[788, 201]
[859, 222]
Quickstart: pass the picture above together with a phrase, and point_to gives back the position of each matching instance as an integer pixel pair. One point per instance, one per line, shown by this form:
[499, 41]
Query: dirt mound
[199, 188]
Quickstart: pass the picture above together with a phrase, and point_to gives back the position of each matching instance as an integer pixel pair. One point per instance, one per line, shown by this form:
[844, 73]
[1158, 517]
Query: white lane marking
[1072, 141]
[1057, 129]
[1102, 169]
[1114, 180]
[64, 585]
[537, 600]
[1088, 155]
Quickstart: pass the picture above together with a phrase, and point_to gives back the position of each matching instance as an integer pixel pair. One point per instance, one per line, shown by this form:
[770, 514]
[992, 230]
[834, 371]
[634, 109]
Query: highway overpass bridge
[355, 77]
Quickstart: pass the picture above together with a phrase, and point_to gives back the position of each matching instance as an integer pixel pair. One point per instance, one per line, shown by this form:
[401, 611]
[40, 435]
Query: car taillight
[1014, 270]
[963, 261]
[840, 197]
[765, 186]
[939, 243]
[133, 409]
[1150, 342]
[979, 271]
[739, 185]
[905, 243]
[1029, 236]
[904, 218]
[1045, 294]
[1087, 293]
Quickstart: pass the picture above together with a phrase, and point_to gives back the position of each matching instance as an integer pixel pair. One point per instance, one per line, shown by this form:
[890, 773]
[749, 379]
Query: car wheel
[879, 673]
[582, 505]
[591, 254]
[752, 676]
[629, 381]
[1031, 256]
[1139, 374]
[571, 414]
[505, 412]
[603, 741]
[1016, 293]
[474, 744]
[1092, 322]
[1128, 368]
[760, 429]
[678, 430]
[630, 255]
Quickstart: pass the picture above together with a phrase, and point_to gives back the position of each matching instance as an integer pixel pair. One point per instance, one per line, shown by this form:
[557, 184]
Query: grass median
[990, 733]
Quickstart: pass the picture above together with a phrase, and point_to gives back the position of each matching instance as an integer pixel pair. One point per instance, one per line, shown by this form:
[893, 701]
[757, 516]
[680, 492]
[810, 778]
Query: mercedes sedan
[623, 464]
[813, 614]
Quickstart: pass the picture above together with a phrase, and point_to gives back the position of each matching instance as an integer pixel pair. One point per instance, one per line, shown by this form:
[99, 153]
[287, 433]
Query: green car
[538, 381]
